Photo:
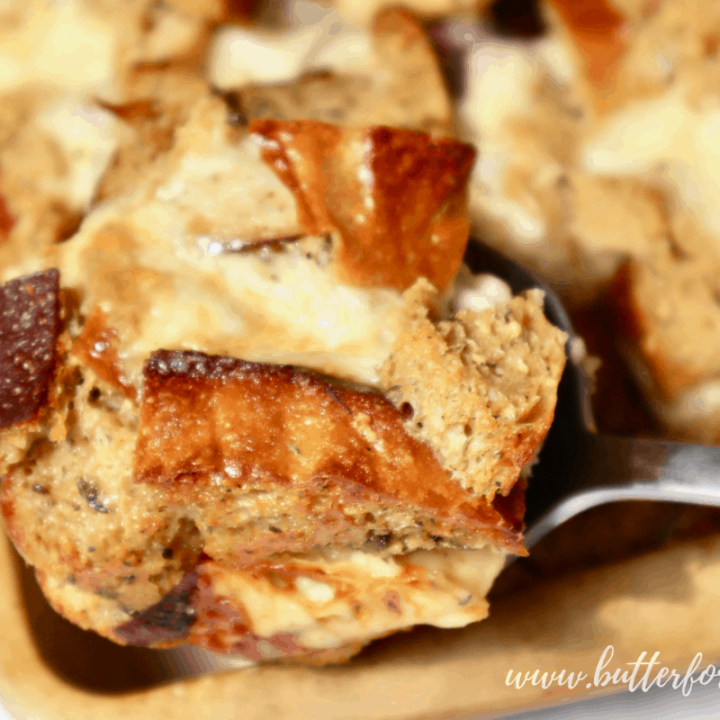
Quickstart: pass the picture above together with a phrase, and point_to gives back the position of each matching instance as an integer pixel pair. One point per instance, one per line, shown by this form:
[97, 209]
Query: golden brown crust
[29, 330]
[208, 423]
[97, 348]
[7, 219]
[397, 198]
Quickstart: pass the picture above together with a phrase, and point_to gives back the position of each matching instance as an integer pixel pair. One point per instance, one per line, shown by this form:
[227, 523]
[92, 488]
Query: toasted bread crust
[7, 219]
[210, 423]
[97, 348]
[29, 330]
[397, 198]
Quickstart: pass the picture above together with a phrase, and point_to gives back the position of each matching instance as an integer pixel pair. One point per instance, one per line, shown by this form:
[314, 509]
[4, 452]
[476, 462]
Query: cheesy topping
[88, 137]
[667, 136]
[171, 270]
[56, 42]
[362, 596]
[499, 81]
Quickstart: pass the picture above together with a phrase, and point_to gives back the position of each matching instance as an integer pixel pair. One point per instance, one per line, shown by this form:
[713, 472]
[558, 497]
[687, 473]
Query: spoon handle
[609, 469]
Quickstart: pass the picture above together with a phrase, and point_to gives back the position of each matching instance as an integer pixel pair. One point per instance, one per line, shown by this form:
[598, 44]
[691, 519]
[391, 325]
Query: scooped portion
[232, 447]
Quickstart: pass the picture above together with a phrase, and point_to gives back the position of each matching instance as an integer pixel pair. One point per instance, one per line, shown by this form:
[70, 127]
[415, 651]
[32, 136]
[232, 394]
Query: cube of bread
[29, 328]
[669, 322]
[384, 92]
[627, 50]
[214, 429]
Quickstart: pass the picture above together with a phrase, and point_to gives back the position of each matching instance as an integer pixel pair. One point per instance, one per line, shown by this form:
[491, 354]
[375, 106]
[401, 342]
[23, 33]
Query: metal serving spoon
[580, 468]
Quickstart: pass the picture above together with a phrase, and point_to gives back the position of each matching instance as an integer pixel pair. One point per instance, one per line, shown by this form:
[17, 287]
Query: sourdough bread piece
[384, 92]
[263, 470]
[628, 50]
[480, 389]
[668, 318]
[428, 215]
[332, 466]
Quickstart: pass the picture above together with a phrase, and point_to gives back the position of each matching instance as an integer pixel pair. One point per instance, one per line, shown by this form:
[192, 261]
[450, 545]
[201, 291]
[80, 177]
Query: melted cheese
[363, 596]
[88, 137]
[499, 82]
[664, 135]
[239, 56]
[59, 42]
[179, 290]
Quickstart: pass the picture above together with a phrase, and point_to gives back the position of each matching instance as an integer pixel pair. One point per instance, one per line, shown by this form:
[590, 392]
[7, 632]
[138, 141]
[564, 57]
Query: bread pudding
[244, 410]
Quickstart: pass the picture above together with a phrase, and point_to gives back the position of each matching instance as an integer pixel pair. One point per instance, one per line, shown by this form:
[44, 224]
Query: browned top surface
[29, 327]
[204, 417]
[597, 29]
[396, 197]
[239, 10]
[7, 220]
[96, 347]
